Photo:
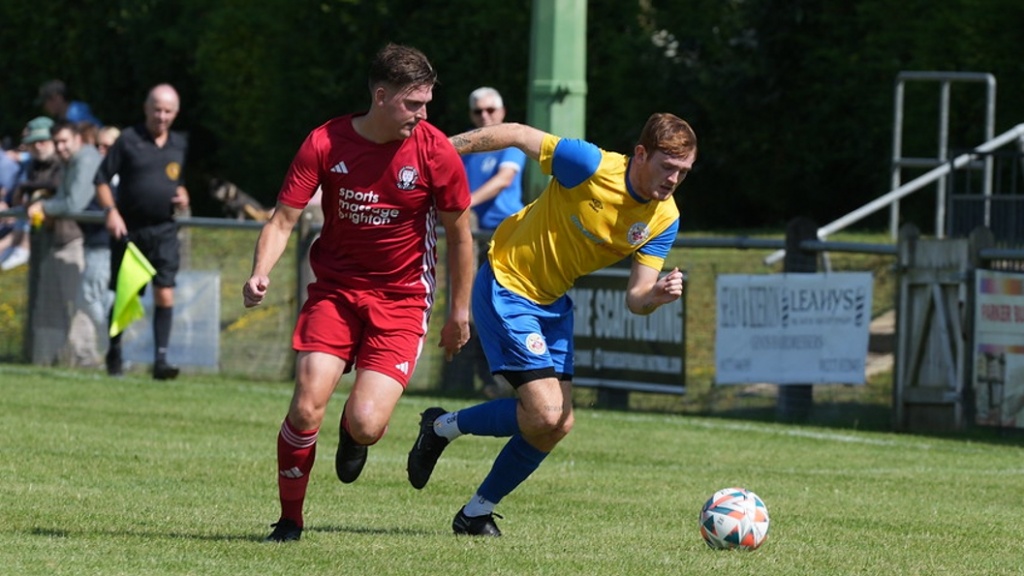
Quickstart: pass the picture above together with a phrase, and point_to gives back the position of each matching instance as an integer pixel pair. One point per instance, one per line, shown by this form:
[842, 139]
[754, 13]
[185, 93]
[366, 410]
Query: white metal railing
[1014, 135]
[945, 80]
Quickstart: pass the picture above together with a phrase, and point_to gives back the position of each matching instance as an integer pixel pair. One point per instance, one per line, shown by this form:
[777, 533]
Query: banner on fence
[620, 350]
[792, 328]
[999, 348]
[195, 337]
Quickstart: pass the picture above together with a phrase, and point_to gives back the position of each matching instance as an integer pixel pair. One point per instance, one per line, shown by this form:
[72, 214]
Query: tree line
[792, 100]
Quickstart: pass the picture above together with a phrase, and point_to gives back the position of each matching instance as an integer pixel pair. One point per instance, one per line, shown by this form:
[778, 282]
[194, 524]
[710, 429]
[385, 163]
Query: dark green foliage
[792, 99]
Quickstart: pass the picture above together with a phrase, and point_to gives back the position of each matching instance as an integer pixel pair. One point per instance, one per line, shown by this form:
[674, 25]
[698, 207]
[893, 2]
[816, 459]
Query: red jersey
[380, 204]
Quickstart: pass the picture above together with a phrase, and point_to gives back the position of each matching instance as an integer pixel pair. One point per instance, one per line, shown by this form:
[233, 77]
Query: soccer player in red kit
[387, 178]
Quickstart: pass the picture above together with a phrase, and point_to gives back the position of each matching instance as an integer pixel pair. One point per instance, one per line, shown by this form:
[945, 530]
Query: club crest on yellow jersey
[638, 233]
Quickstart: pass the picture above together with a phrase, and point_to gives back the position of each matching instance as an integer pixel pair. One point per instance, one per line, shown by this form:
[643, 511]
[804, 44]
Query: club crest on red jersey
[407, 176]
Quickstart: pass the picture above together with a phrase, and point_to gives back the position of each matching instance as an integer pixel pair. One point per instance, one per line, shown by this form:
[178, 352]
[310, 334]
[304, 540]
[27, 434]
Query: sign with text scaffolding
[617, 349]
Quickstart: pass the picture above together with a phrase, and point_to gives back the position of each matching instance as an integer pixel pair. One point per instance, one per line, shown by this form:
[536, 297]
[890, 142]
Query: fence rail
[255, 343]
[1014, 135]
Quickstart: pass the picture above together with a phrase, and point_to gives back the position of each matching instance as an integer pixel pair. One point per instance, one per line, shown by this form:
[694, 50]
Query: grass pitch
[131, 476]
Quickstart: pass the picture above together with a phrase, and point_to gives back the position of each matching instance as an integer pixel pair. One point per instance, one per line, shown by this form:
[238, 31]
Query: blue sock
[516, 461]
[494, 418]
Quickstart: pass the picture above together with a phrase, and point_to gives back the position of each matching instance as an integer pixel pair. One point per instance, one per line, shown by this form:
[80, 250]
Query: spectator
[388, 177]
[58, 318]
[148, 159]
[54, 98]
[96, 296]
[496, 192]
[38, 180]
[495, 177]
[10, 170]
[89, 132]
[105, 138]
[598, 208]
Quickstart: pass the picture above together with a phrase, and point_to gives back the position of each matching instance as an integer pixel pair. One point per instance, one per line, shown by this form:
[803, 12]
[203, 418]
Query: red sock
[296, 452]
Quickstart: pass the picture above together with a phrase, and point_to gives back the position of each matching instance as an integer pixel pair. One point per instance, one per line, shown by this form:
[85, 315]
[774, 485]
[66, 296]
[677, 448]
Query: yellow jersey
[587, 218]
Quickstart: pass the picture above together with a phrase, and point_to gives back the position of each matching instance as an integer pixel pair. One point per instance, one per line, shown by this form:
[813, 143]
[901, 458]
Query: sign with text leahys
[999, 348]
[621, 350]
[792, 328]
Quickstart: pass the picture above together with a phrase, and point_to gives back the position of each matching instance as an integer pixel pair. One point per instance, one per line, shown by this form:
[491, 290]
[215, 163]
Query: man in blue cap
[53, 97]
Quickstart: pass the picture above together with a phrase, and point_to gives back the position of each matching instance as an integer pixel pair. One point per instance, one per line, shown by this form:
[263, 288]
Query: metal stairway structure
[979, 158]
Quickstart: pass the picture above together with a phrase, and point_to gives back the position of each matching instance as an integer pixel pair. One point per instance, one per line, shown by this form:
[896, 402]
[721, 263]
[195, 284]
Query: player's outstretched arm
[499, 136]
[271, 244]
[646, 291]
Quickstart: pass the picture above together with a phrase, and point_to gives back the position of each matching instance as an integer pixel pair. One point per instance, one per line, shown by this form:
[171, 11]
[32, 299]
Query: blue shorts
[519, 335]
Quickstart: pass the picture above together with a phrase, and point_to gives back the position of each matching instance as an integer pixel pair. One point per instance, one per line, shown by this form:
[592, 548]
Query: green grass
[130, 476]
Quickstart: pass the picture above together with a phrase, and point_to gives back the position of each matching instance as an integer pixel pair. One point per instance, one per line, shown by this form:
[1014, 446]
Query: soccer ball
[734, 519]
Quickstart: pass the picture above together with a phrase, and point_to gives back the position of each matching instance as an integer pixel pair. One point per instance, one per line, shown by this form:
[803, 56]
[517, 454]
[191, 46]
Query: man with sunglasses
[496, 185]
[496, 176]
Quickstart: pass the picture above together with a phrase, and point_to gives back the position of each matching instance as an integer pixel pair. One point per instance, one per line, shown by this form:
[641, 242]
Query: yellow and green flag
[134, 274]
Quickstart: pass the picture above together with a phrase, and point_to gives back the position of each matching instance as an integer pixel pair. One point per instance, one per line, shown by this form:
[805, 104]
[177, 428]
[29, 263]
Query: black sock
[162, 331]
[115, 341]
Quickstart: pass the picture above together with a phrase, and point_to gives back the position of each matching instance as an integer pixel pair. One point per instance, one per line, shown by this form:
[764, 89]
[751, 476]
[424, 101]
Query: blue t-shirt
[9, 175]
[481, 167]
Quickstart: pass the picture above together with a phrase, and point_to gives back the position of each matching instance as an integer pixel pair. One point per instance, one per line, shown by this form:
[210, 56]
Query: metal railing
[745, 243]
[945, 80]
[1015, 134]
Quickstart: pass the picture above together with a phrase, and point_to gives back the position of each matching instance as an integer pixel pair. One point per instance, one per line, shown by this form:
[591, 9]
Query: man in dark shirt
[148, 158]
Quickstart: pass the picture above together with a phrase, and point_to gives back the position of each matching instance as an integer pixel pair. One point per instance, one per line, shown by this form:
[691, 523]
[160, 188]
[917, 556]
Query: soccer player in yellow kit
[599, 208]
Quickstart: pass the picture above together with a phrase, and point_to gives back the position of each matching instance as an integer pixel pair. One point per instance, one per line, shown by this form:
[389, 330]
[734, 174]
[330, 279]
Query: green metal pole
[558, 76]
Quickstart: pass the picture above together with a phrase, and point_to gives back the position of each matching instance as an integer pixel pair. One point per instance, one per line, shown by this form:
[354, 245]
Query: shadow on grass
[59, 533]
[64, 533]
[370, 531]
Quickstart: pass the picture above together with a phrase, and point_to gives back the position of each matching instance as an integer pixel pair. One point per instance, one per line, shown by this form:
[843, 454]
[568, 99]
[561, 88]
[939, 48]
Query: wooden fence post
[796, 400]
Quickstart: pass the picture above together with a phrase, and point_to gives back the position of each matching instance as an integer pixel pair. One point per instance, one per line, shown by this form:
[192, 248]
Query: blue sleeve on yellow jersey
[574, 161]
[662, 243]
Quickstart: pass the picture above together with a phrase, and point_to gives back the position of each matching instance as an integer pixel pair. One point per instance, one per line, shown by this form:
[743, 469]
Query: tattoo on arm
[461, 142]
[472, 141]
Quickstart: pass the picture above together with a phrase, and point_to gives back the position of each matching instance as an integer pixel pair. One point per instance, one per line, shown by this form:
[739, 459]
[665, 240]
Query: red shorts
[377, 331]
